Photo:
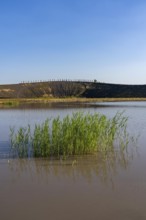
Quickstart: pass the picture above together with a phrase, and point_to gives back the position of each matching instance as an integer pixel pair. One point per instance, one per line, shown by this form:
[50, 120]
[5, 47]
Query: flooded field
[85, 187]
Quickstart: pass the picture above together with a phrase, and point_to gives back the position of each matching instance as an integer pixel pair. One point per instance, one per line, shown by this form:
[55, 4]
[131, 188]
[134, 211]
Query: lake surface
[88, 187]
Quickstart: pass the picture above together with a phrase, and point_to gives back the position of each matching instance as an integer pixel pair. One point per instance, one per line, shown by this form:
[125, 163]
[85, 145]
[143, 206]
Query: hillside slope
[72, 88]
[105, 90]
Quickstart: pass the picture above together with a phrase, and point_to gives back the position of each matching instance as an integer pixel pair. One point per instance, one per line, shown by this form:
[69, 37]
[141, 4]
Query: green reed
[40, 140]
[20, 141]
[77, 134]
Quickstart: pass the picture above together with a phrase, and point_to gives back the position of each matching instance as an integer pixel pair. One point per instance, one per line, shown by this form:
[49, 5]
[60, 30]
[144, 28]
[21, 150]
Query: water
[89, 187]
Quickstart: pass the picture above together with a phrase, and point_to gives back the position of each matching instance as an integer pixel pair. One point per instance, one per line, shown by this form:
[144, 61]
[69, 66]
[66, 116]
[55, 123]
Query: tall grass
[20, 141]
[77, 134]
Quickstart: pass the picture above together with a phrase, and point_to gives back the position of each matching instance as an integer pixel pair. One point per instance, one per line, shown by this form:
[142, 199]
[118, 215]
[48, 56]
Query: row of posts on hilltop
[59, 80]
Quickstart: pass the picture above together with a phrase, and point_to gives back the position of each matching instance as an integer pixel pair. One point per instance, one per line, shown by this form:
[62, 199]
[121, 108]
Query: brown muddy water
[90, 187]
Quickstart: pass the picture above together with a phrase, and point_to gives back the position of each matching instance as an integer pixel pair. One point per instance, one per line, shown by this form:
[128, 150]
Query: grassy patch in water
[77, 134]
[9, 102]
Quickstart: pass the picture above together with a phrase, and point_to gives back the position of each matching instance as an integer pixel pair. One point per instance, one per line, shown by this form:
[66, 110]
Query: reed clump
[9, 103]
[77, 134]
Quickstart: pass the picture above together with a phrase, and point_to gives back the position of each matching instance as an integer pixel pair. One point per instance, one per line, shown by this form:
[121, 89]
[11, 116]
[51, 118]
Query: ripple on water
[4, 149]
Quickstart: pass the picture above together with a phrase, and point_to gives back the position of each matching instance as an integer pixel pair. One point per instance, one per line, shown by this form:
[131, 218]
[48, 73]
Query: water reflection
[77, 104]
[105, 166]
[49, 105]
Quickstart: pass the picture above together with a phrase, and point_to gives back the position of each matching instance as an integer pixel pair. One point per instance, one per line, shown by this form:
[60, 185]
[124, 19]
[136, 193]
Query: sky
[77, 39]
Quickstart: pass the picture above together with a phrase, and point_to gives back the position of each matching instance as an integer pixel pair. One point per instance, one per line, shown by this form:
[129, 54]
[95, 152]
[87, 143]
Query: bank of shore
[18, 101]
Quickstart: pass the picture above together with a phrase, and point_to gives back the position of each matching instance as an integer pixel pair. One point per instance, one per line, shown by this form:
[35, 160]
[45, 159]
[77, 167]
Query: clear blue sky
[77, 39]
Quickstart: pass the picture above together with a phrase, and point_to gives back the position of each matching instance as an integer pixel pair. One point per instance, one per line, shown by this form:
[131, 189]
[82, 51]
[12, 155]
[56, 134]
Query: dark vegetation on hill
[72, 89]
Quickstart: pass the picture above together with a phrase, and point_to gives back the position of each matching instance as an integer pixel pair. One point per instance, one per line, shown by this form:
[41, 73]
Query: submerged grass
[77, 134]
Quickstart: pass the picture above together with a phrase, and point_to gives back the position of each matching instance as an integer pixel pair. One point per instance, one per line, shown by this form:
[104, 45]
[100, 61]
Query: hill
[72, 89]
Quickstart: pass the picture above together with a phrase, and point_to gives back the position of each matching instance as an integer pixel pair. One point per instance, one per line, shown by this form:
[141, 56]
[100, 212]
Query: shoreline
[65, 100]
